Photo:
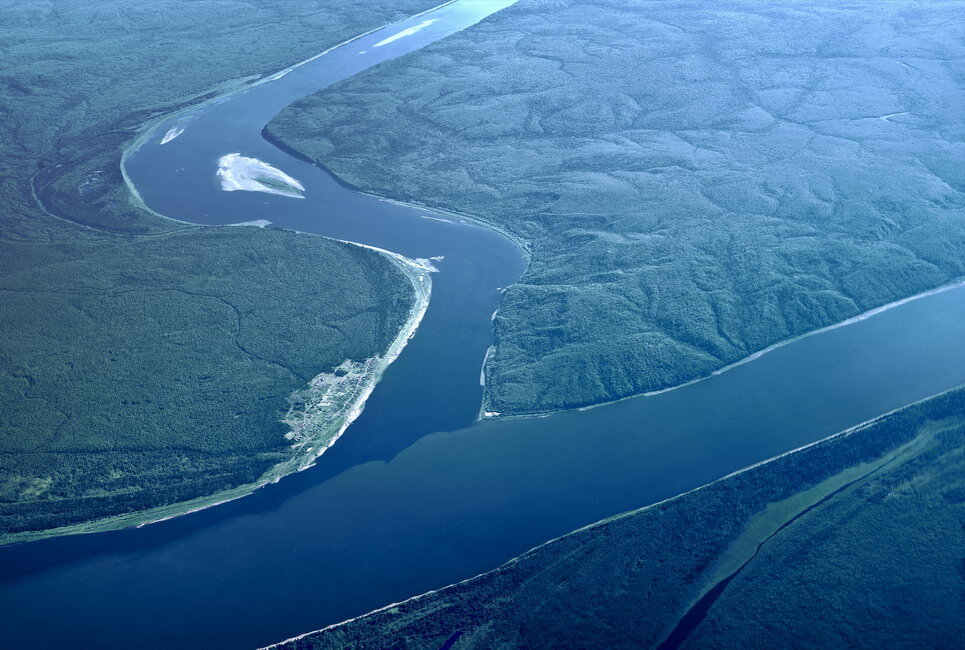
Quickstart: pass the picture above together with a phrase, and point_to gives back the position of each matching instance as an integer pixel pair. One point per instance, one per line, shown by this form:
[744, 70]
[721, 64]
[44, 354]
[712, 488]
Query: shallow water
[417, 494]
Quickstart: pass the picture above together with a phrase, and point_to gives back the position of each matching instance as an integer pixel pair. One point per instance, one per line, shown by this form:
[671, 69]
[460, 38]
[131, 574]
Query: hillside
[145, 362]
[695, 183]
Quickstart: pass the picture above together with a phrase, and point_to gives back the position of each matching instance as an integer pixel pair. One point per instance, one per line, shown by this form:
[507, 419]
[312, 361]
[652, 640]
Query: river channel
[418, 493]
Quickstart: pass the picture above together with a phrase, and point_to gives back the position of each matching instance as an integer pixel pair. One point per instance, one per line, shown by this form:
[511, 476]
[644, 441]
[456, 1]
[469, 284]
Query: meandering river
[418, 494]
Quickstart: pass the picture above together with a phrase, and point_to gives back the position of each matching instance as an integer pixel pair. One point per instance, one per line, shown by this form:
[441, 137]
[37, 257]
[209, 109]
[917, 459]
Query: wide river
[418, 494]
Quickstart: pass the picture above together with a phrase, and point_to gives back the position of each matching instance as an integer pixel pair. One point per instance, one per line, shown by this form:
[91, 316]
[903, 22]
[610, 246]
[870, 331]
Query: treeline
[138, 371]
[694, 186]
[82, 487]
[626, 582]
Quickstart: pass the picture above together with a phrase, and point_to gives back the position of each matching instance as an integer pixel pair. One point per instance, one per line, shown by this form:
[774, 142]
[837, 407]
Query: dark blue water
[416, 495]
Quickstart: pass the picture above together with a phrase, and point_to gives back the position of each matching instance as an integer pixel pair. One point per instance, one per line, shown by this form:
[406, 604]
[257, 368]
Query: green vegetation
[860, 539]
[882, 564]
[145, 362]
[696, 182]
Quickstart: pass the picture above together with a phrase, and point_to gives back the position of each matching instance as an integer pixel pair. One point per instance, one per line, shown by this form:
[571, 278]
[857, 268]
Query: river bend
[418, 494]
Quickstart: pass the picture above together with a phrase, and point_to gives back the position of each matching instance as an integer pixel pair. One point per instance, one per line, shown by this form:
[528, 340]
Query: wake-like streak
[405, 32]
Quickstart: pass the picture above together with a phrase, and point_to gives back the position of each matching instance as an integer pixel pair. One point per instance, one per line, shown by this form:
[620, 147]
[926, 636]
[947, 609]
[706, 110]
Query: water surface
[417, 494]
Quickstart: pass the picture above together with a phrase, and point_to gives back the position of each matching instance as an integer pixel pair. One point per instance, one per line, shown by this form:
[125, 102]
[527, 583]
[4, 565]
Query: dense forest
[146, 362]
[696, 182]
[854, 541]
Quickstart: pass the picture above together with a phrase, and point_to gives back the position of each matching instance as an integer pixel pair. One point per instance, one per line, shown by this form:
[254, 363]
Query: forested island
[854, 541]
[695, 183]
[146, 363]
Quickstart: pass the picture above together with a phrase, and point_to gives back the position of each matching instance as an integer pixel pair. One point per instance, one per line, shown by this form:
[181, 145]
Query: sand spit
[405, 32]
[171, 134]
[257, 223]
[239, 172]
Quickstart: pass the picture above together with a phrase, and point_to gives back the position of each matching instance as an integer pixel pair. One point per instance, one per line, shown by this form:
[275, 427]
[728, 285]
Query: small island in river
[151, 367]
[237, 172]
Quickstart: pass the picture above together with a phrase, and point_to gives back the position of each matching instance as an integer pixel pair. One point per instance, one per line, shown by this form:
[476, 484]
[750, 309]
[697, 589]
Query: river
[418, 494]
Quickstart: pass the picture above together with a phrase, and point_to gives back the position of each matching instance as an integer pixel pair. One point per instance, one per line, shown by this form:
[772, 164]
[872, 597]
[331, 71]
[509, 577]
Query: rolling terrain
[146, 362]
[695, 182]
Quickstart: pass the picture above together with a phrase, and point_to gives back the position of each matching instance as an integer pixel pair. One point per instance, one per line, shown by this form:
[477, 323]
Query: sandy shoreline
[417, 271]
[422, 286]
[418, 275]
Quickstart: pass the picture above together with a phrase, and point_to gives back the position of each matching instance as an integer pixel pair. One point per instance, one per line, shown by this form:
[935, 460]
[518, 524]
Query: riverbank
[667, 558]
[490, 415]
[305, 451]
[323, 436]
[522, 245]
[487, 411]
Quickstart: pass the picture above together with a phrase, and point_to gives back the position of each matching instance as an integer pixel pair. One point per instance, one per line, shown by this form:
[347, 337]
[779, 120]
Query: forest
[144, 361]
[858, 535]
[694, 183]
